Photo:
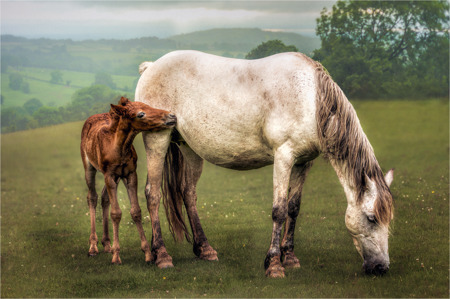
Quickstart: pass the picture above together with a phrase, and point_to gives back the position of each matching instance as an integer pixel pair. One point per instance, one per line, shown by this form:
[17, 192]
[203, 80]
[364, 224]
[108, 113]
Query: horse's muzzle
[171, 120]
[375, 268]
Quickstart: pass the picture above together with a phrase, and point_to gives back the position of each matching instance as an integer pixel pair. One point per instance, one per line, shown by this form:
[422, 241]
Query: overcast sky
[129, 19]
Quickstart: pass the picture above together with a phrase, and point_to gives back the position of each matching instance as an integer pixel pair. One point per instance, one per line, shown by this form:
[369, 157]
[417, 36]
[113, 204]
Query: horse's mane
[343, 140]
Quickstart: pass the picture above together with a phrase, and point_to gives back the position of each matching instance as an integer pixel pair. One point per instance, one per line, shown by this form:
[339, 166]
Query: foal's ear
[389, 177]
[123, 101]
[117, 109]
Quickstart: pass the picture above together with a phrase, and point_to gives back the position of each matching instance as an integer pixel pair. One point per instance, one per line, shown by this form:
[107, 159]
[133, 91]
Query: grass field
[55, 94]
[45, 225]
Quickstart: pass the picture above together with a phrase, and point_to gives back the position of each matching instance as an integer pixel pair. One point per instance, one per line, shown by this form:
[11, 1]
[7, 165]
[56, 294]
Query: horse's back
[234, 112]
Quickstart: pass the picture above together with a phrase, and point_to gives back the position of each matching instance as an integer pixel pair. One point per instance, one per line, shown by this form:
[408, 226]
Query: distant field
[45, 225]
[56, 94]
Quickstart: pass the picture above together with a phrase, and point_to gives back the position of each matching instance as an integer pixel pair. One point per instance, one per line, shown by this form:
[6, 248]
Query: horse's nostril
[172, 116]
[378, 269]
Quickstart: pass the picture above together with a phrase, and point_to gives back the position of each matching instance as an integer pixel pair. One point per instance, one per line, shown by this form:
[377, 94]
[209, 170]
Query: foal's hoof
[116, 260]
[148, 257]
[93, 251]
[291, 261]
[275, 270]
[107, 248]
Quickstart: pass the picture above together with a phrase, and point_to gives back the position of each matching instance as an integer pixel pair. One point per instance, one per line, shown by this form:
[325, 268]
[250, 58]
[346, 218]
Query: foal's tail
[173, 191]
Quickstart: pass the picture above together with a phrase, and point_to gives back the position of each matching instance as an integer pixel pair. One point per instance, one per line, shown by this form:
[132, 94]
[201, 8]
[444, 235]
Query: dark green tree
[32, 105]
[56, 77]
[14, 119]
[103, 78]
[371, 47]
[46, 116]
[15, 81]
[268, 48]
[83, 101]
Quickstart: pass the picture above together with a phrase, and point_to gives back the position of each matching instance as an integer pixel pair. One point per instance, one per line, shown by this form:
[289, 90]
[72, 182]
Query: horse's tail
[173, 191]
[143, 66]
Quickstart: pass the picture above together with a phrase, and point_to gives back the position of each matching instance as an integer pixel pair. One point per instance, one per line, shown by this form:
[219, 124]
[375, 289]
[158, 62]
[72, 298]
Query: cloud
[126, 19]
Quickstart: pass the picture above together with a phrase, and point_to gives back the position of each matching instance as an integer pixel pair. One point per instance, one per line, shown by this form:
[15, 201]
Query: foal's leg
[92, 197]
[193, 172]
[131, 185]
[106, 241]
[156, 145]
[116, 215]
[281, 173]
[298, 176]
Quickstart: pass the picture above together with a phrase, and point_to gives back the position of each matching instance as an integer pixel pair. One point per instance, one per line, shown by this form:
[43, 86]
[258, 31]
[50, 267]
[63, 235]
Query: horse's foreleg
[156, 145]
[298, 176]
[281, 173]
[193, 172]
[106, 241]
[136, 215]
[116, 215]
[92, 197]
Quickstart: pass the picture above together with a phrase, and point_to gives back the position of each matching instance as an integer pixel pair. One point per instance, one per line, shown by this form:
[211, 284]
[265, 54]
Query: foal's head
[142, 117]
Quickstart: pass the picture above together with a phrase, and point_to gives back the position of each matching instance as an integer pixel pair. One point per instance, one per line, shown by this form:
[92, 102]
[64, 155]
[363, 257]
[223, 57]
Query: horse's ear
[123, 101]
[389, 177]
[117, 109]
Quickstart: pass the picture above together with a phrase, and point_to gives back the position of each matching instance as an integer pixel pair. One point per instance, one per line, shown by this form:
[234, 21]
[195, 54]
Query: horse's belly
[227, 149]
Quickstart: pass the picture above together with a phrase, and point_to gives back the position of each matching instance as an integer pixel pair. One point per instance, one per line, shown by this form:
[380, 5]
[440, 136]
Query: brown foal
[106, 146]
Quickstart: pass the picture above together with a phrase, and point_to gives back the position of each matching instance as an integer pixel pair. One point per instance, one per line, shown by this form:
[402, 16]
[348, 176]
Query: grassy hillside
[244, 39]
[45, 225]
[55, 94]
[79, 61]
[121, 57]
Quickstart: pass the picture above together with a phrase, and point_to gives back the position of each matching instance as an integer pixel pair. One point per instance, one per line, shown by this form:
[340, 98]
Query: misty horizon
[121, 20]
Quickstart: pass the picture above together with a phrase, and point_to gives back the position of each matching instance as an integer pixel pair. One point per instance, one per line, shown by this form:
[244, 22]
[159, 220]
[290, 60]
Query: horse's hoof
[205, 252]
[92, 254]
[291, 261]
[209, 255]
[275, 273]
[275, 270]
[165, 265]
[164, 260]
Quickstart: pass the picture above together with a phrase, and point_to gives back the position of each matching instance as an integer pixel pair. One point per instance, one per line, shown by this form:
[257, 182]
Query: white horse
[244, 114]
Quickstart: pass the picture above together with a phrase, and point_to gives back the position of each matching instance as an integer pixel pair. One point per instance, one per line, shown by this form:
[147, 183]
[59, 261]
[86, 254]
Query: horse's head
[142, 117]
[368, 221]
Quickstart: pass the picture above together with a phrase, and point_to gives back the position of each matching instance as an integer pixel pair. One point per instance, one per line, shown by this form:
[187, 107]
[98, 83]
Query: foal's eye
[140, 115]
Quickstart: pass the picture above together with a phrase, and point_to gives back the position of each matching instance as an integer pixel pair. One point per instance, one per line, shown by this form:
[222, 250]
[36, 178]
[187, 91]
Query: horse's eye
[140, 115]
[371, 219]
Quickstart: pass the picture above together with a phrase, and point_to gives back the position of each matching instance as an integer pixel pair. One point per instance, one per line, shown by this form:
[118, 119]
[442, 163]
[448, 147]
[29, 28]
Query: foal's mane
[342, 139]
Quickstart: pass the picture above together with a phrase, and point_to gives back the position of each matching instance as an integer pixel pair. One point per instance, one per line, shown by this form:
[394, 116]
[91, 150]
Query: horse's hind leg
[131, 185]
[92, 197]
[194, 166]
[298, 176]
[106, 241]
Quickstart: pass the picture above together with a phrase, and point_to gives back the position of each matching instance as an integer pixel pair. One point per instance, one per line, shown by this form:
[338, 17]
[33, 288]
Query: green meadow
[45, 223]
[55, 94]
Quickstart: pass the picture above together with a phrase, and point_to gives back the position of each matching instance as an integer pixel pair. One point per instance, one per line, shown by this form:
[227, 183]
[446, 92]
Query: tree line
[386, 49]
[33, 114]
